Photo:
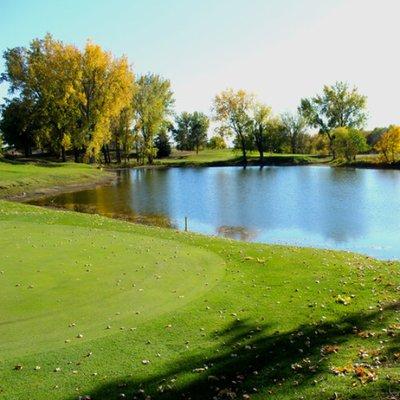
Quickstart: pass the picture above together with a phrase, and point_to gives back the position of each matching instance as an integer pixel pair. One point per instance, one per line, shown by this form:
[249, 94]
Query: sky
[280, 50]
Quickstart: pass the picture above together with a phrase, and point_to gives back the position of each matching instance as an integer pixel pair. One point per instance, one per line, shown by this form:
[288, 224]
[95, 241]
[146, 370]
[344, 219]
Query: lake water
[336, 208]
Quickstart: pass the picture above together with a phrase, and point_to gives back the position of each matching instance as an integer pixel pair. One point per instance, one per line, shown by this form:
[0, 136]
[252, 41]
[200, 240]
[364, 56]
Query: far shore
[76, 177]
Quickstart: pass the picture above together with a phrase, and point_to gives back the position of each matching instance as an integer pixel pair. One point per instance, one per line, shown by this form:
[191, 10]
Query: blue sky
[281, 50]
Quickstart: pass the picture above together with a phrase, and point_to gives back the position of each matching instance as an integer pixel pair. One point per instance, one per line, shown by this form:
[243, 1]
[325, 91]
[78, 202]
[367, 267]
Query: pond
[335, 208]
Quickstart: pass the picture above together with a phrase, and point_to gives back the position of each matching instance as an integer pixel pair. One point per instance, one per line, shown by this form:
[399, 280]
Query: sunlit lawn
[17, 176]
[101, 307]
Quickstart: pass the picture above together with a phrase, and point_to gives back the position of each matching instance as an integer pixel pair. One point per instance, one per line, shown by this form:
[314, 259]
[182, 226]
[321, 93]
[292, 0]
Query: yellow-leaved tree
[388, 145]
[232, 111]
[105, 87]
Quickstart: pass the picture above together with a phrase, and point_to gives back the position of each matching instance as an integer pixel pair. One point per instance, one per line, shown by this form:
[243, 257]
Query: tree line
[338, 114]
[89, 103]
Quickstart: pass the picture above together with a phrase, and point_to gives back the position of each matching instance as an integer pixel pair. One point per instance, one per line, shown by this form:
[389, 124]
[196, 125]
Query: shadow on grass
[42, 161]
[251, 360]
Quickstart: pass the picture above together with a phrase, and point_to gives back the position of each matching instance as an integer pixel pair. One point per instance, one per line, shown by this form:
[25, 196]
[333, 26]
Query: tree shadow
[252, 360]
[44, 161]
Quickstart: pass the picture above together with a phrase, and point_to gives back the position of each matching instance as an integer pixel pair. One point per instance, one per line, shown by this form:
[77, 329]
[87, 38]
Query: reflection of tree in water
[236, 232]
[129, 216]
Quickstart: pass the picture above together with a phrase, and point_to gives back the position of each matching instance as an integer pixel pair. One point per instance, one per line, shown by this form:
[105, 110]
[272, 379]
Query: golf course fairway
[107, 309]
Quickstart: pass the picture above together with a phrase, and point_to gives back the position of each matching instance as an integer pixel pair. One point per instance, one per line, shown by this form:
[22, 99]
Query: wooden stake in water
[186, 224]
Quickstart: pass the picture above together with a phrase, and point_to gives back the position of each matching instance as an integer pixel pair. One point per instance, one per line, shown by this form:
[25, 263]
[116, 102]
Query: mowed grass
[18, 177]
[99, 307]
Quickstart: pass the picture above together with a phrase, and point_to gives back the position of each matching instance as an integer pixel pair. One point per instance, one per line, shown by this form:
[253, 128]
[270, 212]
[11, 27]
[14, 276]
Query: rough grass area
[17, 177]
[98, 307]
[229, 157]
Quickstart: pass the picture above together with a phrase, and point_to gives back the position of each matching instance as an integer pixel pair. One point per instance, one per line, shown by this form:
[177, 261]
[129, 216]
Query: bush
[162, 145]
[348, 142]
[216, 143]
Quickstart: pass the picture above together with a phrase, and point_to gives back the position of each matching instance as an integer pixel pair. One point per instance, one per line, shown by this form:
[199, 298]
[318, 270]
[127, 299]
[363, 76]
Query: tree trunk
[27, 148]
[332, 147]
[244, 152]
[103, 150]
[63, 158]
[261, 157]
[293, 146]
[108, 154]
[117, 151]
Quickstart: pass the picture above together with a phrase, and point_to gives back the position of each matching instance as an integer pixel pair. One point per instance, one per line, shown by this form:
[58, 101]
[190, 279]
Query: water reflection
[341, 208]
[236, 232]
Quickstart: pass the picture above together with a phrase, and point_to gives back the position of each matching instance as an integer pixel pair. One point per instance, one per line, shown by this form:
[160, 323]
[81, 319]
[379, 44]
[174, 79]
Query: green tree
[162, 143]
[337, 106]
[294, 126]
[18, 125]
[199, 124]
[233, 113]
[181, 131]
[260, 127]
[152, 105]
[216, 142]
[275, 137]
[348, 142]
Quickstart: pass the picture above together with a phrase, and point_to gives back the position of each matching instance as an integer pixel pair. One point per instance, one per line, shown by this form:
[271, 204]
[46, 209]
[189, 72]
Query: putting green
[99, 307]
[64, 284]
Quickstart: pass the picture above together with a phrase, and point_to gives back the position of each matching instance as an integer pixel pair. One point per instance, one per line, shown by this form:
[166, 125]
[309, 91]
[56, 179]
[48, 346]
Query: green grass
[214, 318]
[16, 177]
[228, 157]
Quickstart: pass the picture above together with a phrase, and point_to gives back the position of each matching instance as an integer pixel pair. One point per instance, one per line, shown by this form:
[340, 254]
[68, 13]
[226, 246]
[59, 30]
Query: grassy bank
[93, 306]
[29, 179]
[229, 157]
[369, 161]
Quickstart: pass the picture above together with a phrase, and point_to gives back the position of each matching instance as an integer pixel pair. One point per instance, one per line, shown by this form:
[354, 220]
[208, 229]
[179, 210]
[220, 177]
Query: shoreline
[216, 164]
[35, 194]
[112, 175]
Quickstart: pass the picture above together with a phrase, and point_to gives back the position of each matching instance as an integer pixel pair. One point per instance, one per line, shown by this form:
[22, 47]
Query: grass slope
[16, 177]
[107, 308]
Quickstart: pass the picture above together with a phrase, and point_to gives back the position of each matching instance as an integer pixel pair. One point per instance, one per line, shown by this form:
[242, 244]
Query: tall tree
[181, 131]
[337, 106]
[74, 94]
[294, 126]
[152, 104]
[260, 126]
[199, 124]
[53, 70]
[122, 133]
[232, 111]
[106, 86]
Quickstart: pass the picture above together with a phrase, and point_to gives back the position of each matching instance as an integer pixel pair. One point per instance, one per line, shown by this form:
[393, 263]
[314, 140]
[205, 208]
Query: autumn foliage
[389, 144]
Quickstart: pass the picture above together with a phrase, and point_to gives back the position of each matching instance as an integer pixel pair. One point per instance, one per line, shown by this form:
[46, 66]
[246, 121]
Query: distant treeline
[88, 103]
